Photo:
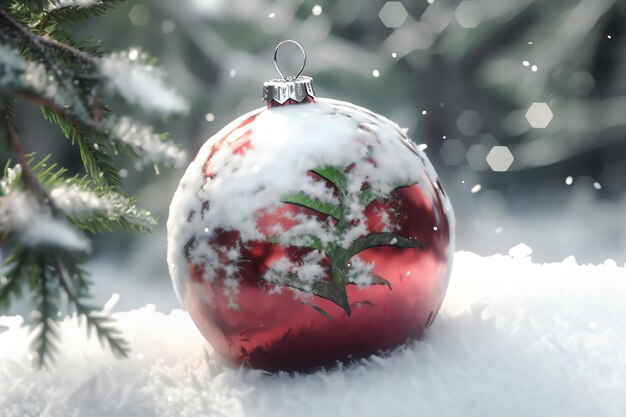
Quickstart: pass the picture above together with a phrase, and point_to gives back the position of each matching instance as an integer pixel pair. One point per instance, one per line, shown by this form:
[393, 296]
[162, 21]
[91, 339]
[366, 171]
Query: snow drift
[513, 338]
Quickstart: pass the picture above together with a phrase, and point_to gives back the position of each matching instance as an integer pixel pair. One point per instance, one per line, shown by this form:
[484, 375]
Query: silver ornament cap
[296, 87]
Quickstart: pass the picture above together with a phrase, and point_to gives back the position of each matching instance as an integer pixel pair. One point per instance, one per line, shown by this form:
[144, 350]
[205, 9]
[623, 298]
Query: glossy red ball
[273, 328]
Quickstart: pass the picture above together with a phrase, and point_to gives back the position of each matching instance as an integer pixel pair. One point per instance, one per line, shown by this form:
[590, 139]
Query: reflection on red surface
[279, 332]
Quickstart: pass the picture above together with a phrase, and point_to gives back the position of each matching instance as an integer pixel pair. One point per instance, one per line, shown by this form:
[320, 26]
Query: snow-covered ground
[513, 338]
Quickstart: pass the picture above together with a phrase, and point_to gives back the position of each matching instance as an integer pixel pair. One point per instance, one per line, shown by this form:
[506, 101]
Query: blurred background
[521, 103]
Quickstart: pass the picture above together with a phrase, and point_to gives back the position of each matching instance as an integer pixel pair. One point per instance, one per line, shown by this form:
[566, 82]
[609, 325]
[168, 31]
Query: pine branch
[37, 46]
[45, 318]
[72, 43]
[42, 211]
[75, 14]
[11, 282]
[29, 178]
[144, 144]
[66, 48]
[101, 324]
[95, 151]
[89, 205]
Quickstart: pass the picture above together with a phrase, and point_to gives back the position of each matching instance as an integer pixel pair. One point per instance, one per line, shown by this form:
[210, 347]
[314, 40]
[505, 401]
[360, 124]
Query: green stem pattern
[339, 256]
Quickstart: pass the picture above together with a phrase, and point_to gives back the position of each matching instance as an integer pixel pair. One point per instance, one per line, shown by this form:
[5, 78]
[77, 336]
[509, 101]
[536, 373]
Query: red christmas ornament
[309, 232]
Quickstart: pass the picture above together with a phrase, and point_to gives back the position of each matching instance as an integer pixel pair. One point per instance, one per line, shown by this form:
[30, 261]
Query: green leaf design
[367, 196]
[314, 204]
[334, 176]
[318, 309]
[323, 289]
[382, 239]
[339, 256]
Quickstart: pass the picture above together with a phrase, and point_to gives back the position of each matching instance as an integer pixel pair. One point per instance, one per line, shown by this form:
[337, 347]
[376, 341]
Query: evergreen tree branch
[29, 178]
[38, 47]
[94, 320]
[41, 210]
[65, 48]
[75, 14]
[45, 318]
[94, 149]
[11, 283]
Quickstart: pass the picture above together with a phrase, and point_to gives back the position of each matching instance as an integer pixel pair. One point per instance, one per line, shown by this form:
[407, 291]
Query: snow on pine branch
[80, 203]
[15, 72]
[34, 226]
[149, 146]
[36, 78]
[11, 66]
[137, 83]
[59, 4]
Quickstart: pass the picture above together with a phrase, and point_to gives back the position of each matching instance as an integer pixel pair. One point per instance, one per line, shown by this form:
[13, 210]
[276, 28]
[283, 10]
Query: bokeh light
[393, 14]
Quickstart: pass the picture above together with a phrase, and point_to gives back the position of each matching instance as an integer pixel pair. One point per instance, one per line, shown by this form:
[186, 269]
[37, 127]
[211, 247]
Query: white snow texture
[140, 84]
[59, 4]
[34, 224]
[513, 338]
[286, 143]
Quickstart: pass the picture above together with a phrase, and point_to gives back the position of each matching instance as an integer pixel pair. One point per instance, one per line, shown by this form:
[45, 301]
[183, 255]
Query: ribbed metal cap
[296, 88]
[280, 90]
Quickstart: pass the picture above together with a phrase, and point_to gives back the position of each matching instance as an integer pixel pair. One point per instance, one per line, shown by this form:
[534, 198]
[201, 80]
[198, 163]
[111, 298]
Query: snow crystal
[140, 84]
[513, 338]
[34, 226]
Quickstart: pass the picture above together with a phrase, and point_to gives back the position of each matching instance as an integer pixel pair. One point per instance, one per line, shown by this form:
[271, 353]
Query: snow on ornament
[308, 232]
